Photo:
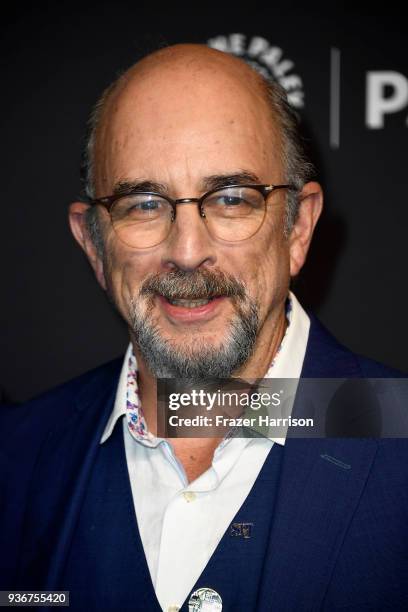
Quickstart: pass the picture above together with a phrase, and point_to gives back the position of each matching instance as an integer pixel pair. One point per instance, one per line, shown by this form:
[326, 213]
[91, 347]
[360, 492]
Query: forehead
[190, 118]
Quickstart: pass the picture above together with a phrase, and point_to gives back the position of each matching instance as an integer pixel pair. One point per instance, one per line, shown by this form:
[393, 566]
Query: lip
[191, 315]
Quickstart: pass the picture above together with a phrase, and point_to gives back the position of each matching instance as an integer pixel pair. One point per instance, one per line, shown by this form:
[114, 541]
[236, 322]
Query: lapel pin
[205, 600]
[241, 530]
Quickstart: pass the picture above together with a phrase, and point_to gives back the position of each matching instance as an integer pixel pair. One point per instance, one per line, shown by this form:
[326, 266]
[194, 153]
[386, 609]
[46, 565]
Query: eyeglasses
[143, 219]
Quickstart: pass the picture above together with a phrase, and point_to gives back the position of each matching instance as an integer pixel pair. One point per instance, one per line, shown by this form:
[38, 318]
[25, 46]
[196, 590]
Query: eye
[141, 207]
[144, 208]
[230, 200]
[146, 205]
[234, 202]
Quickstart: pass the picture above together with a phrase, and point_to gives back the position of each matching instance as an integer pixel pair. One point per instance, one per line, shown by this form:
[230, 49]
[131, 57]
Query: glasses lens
[234, 213]
[142, 220]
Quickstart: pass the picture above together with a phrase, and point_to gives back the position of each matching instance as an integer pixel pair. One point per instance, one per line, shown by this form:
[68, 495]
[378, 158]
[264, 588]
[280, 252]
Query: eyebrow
[127, 186]
[216, 181]
[208, 183]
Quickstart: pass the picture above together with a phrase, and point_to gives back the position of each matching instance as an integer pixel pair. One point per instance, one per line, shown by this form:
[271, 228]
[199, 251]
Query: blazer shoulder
[56, 405]
[327, 357]
[374, 369]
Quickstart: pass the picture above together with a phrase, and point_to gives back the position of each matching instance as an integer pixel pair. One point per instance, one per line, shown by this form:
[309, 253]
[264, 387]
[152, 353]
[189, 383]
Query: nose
[189, 245]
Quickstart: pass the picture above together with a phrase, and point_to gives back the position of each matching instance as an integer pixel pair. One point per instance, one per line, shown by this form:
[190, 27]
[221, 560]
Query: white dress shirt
[181, 523]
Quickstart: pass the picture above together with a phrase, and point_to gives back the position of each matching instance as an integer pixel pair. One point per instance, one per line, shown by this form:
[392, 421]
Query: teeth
[189, 303]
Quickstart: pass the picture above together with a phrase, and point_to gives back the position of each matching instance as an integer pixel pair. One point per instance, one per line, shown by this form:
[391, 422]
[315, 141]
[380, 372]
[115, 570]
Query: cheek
[272, 277]
[266, 265]
[125, 271]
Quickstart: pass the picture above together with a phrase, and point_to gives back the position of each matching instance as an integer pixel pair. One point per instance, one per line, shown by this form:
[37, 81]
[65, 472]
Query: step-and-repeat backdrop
[346, 72]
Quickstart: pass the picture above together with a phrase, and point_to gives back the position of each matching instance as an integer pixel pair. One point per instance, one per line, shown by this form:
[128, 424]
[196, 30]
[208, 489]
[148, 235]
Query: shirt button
[173, 609]
[189, 496]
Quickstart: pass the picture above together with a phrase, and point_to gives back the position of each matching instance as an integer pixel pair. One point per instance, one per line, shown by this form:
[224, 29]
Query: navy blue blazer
[339, 536]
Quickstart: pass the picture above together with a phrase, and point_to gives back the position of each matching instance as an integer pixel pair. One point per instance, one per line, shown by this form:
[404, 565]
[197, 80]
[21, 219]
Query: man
[201, 210]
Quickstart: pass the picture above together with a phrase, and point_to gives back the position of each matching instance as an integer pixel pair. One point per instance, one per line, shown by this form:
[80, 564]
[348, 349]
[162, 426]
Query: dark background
[57, 58]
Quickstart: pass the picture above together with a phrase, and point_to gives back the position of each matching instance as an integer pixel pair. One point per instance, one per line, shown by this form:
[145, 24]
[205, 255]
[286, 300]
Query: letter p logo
[378, 104]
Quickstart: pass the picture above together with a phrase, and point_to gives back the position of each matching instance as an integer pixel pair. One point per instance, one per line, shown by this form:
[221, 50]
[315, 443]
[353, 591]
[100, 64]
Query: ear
[310, 207]
[79, 229]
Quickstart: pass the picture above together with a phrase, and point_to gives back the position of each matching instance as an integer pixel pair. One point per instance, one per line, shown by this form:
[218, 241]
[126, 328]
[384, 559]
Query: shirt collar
[287, 363]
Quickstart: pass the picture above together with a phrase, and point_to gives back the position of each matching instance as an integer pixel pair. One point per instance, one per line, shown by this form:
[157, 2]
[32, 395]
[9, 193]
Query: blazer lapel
[59, 483]
[321, 483]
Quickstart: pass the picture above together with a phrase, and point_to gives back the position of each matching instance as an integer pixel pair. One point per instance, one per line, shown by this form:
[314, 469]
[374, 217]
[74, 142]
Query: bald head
[177, 96]
[181, 70]
[188, 61]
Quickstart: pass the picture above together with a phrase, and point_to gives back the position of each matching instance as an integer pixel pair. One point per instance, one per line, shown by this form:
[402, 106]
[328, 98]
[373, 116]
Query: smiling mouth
[196, 303]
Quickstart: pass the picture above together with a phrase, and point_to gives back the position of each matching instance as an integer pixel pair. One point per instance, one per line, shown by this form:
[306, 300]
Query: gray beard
[197, 362]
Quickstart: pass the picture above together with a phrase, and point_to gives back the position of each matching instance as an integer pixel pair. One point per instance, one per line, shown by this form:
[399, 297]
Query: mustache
[196, 284]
